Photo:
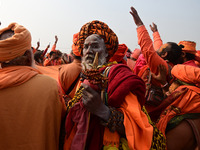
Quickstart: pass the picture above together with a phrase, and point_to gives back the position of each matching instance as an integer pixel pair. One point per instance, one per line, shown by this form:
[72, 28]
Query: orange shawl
[16, 75]
[187, 102]
[139, 132]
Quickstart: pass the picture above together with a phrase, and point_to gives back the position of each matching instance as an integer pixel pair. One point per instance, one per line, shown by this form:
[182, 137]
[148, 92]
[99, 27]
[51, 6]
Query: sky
[176, 20]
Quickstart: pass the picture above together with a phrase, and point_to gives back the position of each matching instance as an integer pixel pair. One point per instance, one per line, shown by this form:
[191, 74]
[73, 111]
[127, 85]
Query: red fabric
[80, 116]
[119, 54]
[191, 63]
[121, 82]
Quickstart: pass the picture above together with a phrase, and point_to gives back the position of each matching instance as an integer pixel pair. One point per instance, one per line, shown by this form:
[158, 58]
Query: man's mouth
[89, 58]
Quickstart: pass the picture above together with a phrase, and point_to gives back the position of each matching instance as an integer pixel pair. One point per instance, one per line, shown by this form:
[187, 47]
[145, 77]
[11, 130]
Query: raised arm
[38, 45]
[45, 51]
[54, 45]
[146, 44]
[157, 41]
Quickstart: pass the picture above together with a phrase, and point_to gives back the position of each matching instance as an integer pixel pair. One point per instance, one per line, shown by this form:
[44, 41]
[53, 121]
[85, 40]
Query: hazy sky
[176, 19]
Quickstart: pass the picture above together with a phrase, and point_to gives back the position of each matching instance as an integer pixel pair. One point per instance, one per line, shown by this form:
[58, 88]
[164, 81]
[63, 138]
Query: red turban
[16, 45]
[119, 54]
[102, 29]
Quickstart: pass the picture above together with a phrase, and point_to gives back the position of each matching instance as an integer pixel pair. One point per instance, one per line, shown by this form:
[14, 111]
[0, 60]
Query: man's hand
[93, 103]
[162, 73]
[56, 39]
[153, 27]
[136, 17]
[38, 45]
[48, 46]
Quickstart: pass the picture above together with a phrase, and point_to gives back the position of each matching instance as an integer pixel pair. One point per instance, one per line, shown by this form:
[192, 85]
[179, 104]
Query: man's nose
[89, 49]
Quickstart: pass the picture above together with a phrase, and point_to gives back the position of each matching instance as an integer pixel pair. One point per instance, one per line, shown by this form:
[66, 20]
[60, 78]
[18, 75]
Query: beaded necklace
[95, 77]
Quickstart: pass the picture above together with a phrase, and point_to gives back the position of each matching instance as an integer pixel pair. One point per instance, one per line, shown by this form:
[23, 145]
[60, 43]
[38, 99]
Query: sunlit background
[176, 19]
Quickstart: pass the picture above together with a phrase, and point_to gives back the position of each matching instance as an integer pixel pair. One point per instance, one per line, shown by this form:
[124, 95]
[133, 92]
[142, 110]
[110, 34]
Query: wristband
[165, 85]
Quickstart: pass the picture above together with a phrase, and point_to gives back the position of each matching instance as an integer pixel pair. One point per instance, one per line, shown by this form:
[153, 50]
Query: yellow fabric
[124, 145]
[16, 45]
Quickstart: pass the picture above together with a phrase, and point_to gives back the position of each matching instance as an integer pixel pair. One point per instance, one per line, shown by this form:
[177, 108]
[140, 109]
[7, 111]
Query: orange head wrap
[74, 47]
[186, 73]
[16, 45]
[102, 29]
[189, 46]
[119, 54]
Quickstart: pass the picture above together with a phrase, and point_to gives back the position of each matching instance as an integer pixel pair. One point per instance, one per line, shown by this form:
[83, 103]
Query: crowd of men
[101, 95]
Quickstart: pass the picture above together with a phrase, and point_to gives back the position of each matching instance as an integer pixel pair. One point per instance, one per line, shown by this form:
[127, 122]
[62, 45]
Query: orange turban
[16, 45]
[102, 29]
[186, 73]
[135, 54]
[189, 46]
[74, 47]
[119, 54]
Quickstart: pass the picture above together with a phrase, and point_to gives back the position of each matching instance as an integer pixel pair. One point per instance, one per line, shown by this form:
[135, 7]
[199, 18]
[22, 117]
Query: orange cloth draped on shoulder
[157, 41]
[187, 102]
[68, 74]
[148, 50]
[51, 71]
[16, 75]
[16, 45]
[119, 54]
[138, 130]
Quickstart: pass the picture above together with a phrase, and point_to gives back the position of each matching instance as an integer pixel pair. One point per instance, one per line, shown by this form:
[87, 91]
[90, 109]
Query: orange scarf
[16, 75]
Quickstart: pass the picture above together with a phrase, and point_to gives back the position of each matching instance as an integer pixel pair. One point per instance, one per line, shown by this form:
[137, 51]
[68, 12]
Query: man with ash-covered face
[106, 110]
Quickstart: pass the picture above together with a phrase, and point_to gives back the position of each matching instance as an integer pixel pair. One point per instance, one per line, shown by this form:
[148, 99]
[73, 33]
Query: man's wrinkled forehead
[95, 38]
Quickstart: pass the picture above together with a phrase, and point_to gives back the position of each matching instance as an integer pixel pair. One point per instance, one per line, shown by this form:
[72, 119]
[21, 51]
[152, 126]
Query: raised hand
[56, 39]
[48, 46]
[38, 45]
[153, 27]
[136, 17]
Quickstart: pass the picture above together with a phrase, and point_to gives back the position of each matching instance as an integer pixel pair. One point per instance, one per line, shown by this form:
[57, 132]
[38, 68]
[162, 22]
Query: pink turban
[16, 45]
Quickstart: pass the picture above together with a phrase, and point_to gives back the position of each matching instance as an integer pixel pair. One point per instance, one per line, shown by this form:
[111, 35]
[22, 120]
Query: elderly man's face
[94, 43]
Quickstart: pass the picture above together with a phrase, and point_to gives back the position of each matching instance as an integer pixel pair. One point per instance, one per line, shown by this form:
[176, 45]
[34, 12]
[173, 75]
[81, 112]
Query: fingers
[151, 27]
[162, 68]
